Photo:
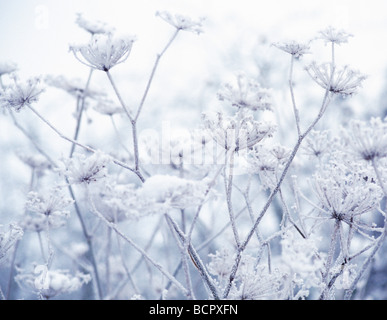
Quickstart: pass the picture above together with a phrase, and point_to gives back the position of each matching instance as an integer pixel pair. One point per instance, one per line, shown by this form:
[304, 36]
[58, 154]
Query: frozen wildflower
[36, 222]
[37, 162]
[221, 263]
[266, 162]
[21, 94]
[367, 140]
[238, 132]
[317, 144]
[302, 257]
[7, 67]
[345, 195]
[51, 204]
[92, 26]
[104, 51]
[248, 94]
[294, 48]
[256, 282]
[51, 283]
[333, 35]
[181, 22]
[74, 87]
[108, 107]
[81, 169]
[118, 201]
[9, 238]
[344, 81]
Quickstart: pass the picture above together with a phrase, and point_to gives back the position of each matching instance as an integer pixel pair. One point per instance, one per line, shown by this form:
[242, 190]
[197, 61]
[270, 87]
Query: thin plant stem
[196, 261]
[153, 73]
[183, 252]
[228, 185]
[295, 109]
[116, 161]
[80, 111]
[114, 227]
[243, 246]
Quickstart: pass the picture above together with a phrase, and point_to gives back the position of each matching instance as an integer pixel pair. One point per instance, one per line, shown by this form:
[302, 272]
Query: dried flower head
[294, 48]
[266, 162]
[81, 169]
[367, 140]
[92, 26]
[256, 282]
[333, 35]
[104, 51]
[21, 94]
[74, 87]
[51, 283]
[181, 22]
[344, 81]
[37, 162]
[317, 143]
[51, 204]
[248, 94]
[9, 238]
[108, 107]
[345, 195]
[238, 132]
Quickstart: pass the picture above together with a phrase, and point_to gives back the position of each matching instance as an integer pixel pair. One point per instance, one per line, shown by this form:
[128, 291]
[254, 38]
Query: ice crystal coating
[108, 107]
[51, 204]
[294, 48]
[345, 195]
[81, 169]
[20, 94]
[51, 283]
[248, 94]
[9, 238]
[317, 144]
[367, 140]
[333, 35]
[103, 51]
[256, 282]
[238, 132]
[267, 162]
[344, 81]
[182, 22]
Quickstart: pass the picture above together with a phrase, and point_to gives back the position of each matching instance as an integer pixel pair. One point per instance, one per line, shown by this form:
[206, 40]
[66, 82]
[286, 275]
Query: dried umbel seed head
[181, 22]
[85, 170]
[104, 51]
[21, 94]
[333, 35]
[343, 81]
[247, 94]
[294, 48]
[238, 132]
[367, 140]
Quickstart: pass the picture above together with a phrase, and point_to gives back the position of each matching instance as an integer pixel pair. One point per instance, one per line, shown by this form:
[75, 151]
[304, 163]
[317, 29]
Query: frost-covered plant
[103, 52]
[235, 209]
[9, 238]
[51, 283]
[20, 94]
[248, 94]
[81, 169]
